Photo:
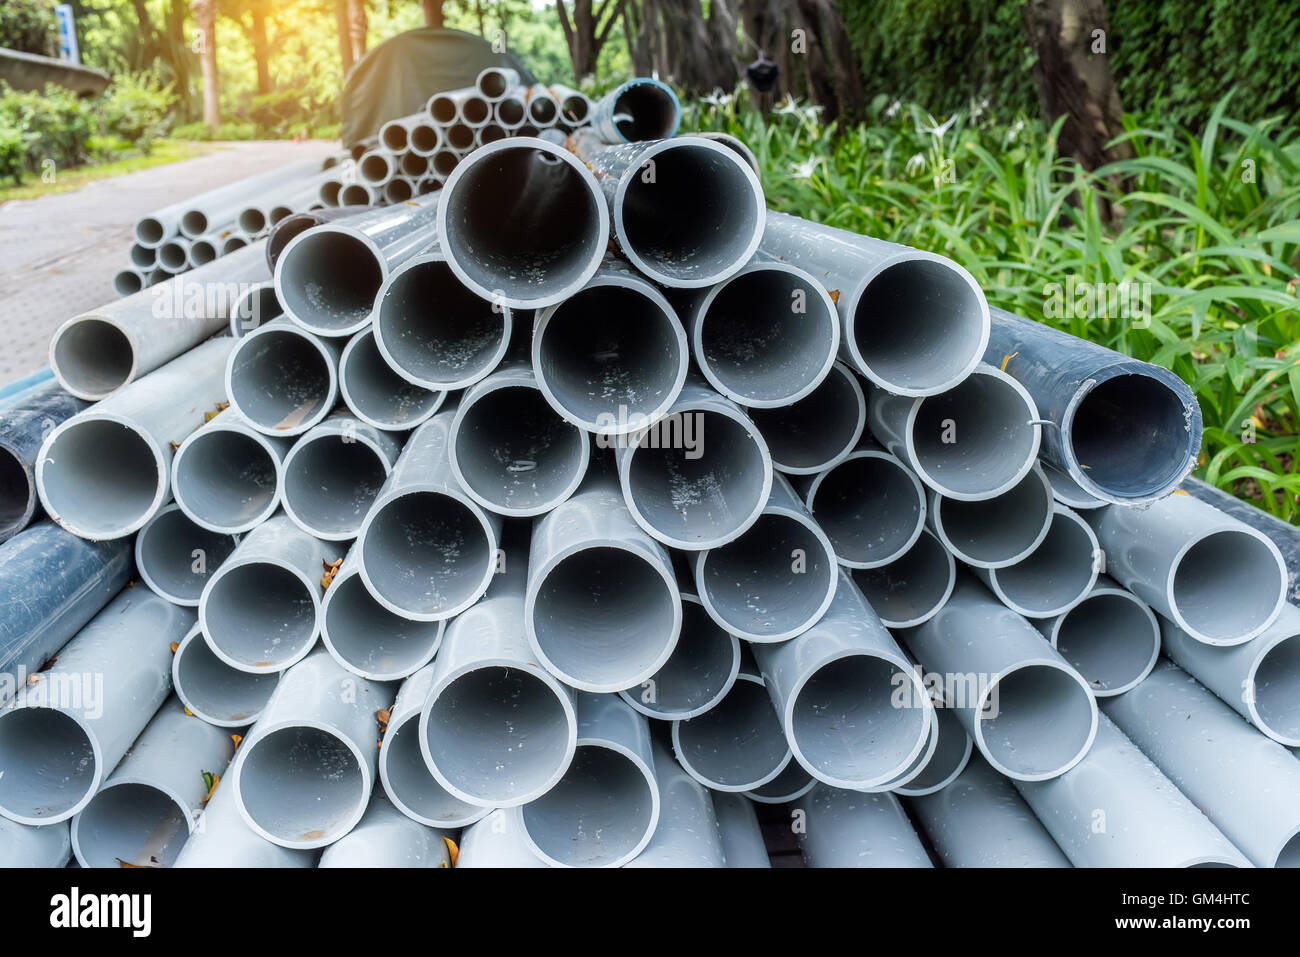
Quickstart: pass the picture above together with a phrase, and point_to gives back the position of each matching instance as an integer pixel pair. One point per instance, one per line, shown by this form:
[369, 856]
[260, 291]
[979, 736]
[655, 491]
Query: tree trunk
[357, 28]
[205, 17]
[345, 40]
[433, 15]
[587, 32]
[261, 53]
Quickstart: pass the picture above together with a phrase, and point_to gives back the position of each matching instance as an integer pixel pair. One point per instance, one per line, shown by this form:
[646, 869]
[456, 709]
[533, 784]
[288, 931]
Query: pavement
[59, 253]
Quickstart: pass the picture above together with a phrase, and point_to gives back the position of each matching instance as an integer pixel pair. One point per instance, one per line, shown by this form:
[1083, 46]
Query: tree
[433, 15]
[357, 28]
[251, 17]
[587, 31]
[809, 44]
[205, 17]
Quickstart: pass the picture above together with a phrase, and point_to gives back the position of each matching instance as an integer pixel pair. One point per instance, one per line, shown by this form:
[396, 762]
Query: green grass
[163, 152]
[1210, 220]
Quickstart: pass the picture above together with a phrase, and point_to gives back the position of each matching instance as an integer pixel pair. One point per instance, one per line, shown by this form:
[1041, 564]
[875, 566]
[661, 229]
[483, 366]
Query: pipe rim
[329, 400]
[968, 748]
[1239, 528]
[241, 429]
[307, 236]
[855, 389]
[1252, 700]
[355, 345]
[80, 386]
[766, 778]
[368, 178]
[204, 714]
[784, 796]
[978, 721]
[136, 782]
[936, 500]
[128, 282]
[96, 776]
[1114, 591]
[811, 497]
[143, 567]
[921, 619]
[14, 462]
[1063, 513]
[395, 724]
[345, 662]
[151, 232]
[234, 563]
[329, 432]
[918, 764]
[1067, 491]
[663, 88]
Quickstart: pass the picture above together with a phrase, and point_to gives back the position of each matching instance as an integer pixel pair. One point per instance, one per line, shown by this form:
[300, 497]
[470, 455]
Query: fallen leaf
[453, 850]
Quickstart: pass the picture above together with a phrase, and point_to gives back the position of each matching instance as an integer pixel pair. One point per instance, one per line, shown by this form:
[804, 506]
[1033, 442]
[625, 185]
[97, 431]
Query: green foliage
[135, 108]
[28, 26]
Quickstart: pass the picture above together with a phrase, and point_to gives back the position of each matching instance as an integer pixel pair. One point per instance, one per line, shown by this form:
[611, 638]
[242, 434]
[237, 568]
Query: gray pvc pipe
[995, 532]
[413, 132]
[523, 223]
[575, 106]
[23, 427]
[282, 379]
[200, 214]
[494, 82]
[215, 692]
[611, 358]
[143, 814]
[496, 841]
[951, 753]
[979, 820]
[176, 557]
[834, 688]
[687, 834]
[375, 167]
[142, 257]
[1115, 809]
[911, 589]
[260, 612]
[127, 282]
[1282, 534]
[818, 431]
[358, 195]
[1066, 490]
[790, 785]
[63, 733]
[291, 226]
[1220, 580]
[848, 829]
[97, 353]
[1111, 637]
[228, 476]
[232, 243]
[174, 255]
[1030, 714]
[404, 554]
[640, 109]
[510, 112]
[399, 190]
[376, 394]
[222, 838]
[733, 143]
[22, 845]
[257, 305]
[459, 138]
[303, 775]
[204, 250]
[913, 323]
[543, 108]
[742, 838]
[774, 581]
[602, 611]
[1055, 576]
[604, 810]
[385, 837]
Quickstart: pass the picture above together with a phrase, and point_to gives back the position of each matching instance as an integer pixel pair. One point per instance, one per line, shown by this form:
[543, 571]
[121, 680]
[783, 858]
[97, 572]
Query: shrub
[136, 108]
[28, 26]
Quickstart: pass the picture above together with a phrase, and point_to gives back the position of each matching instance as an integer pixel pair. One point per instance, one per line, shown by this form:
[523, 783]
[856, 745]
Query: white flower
[788, 105]
[805, 169]
[915, 164]
[717, 97]
[893, 109]
[938, 131]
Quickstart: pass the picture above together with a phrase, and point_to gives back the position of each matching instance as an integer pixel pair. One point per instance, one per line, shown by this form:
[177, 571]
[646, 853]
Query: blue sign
[67, 33]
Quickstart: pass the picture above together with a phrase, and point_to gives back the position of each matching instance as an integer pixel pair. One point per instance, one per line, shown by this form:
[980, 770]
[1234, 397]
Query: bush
[191, 131]
[28, 26]
[42, 128]
[136, 108]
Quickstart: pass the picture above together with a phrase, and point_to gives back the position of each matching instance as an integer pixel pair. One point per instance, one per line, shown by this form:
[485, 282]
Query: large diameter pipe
[848, 829]
[951, 754]
[227, 476]
[1055, 576]
[640, 109]
[23, 427]
[22, 845]
[687, 834]
[215, 692]
[176, 557]
[385, 837]
[496, 841]
[734, 144]
[291, 226]
[104, 472]
[376, 394]
[738, 827]
[1282, 534]
[1030, 714]
[1220, 580]
[818, 431]
[523, 223]
[1126, 431]
[911, 589]
[221, 838]
[995, 532]
[912, 322]
[66, 730]
[144, 813]
[281, 379]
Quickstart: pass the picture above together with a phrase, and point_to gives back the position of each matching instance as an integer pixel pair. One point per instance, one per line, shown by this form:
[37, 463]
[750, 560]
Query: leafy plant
[135, 107]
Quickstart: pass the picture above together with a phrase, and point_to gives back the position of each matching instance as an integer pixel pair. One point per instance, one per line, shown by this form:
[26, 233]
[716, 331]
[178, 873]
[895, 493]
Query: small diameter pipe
[774, 581]
[105, 472]
[790, 785]
[995, 532]
[176, 557]
[260, 612]
[23, 427]
[818, 431]
[333, 474]
[1282, 534]
[496, 841]
[227, 476]
[975, 441]
[221, 838]
[1055, 576]
[441, 107]
[426, 549]
[1030, 714]
[835, 689]
[472, 109]
[127, 282]
[451, 347]
[22, 845]
[200, 214]
[575, 106]
[613, 357]
[399, 190]
[640, 109]
[912, 322]
[459, 138]
[174, 255]
[144, 813]
[523, 223]
[510, 450]
[742, 838]
[376, 167]
[443, 162]
[494, 82]
[979, 820]
[258, 305]
[385, 837]
[407, 780]
[734, 144]
[358, 195]
[1126, 431]
[233, 242]
[303, 776]
[413, 132]
[911, 589]
[1220, 580]
[543, 108]
[1144, 821]
[63, 733]
[952, 752]
[143, 258]
[490, 133]
[603, 611]
[847, 829]
[281, 379]
[687, 834]
[204, 250]
[1111, 638]
[376, 394]
[510, 113]
[604, 810]
[215, 692]
[649, 185]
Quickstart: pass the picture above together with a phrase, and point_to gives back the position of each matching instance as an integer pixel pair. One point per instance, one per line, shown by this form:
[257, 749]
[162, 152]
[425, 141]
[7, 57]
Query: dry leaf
[453, 850]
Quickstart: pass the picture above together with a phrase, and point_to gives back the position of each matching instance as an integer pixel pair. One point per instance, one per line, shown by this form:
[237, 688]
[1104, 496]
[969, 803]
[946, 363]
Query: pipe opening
[698, 672]
[93, 357]
[329, 280]
[142, 257]
[475, 110]
[492, 83]
[373, 640]
[356, 194]
[216, 692]
[793, 782]
[997, 531]
[575, 109]
[150, 231]
[329, 195]
[1227, 585]
[256, 307]
[424, 139]
[393, 137]
[443, 109]
[102, 477]
[408, 781]
[1277, 688]
[252, 221]
[330, 482]
[232, 243]
[303, 785]
[738, 743]
[280, 380]
[1019, 706]
[815, 432]
[414, 165]
[1130, 433]
[1056, 574]
[949, 759]
[443, 162]
[194, 223]
[913, 587]
[543, 111]
[398, 190]
[1111, 639]
[17, 494]
[169, 550]
[128, 282]
[870, 507]
[490, 133]
[131, 824]
[460, 137]
[280, 213]
[227, 479]
[49, 763]
[260, 615]
[202, 252]
[375, 169]
[648, 112]
[510, 112]
[378, 394]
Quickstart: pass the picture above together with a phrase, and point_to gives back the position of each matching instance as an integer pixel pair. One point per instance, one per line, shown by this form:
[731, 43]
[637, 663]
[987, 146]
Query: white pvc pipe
[214, 691]
[176, 557]
[281, 379]
[951, 755]
[496, 841]
[386, 838]
[847, 829]
[22, 845]
[687, 834]
[742, 838]
[222, 838]
[376, 394]
[227, 476]
[788, 786]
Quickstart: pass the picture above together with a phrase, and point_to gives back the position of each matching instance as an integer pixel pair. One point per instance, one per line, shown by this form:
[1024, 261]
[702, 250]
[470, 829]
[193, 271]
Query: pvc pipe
[127, 282]
[23, 427]
[1111, 638]
[602, 612]
[176, 557]
[995, 532]
[260, 612]
[979, 820]
[375, 393]
[22, 845]
[575, 106]
[358, 195]
[443, 162]
[742, 838]
[847, 829]
[543, 108]
[199, 214]
[975, 441]
[142, 258]
[952, 753]
[227, 476]
[442, 108]
[144, 813]
[407, 780]
[375, 167]
[523, 223]
[385, 837]
[911, 589]
[611, 358]
[494, 82]
[489, 133]
[1066, 490]
[204, 250]
[650, 187]
[870, 505]
[788, 786]
[174, 255]
[358, 149]
[429, 184]
[1055, 576]
[1218, 579]
[215, 692]
[1030, 714]
[459, 138]
[834, 688]
[496, 841]
[426, 549]
[449, 348]
[510, 112]
[398, 190]
[105, 472]
[1280, 533]
[233, 243]
[914, 323]
[98, 353]
[774, 581]
[922, 759]
[63, 733]
[820, 430]
[221, 838]
[303, 776]
[734, 144]
[687, 834]
[1126, 431]
[282, 379]
[640, 109]
[413, 132]
[258, 305]
[291, 226]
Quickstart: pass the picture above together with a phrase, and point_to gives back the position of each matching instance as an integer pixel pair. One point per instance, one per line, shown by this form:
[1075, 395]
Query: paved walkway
[59, 253]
